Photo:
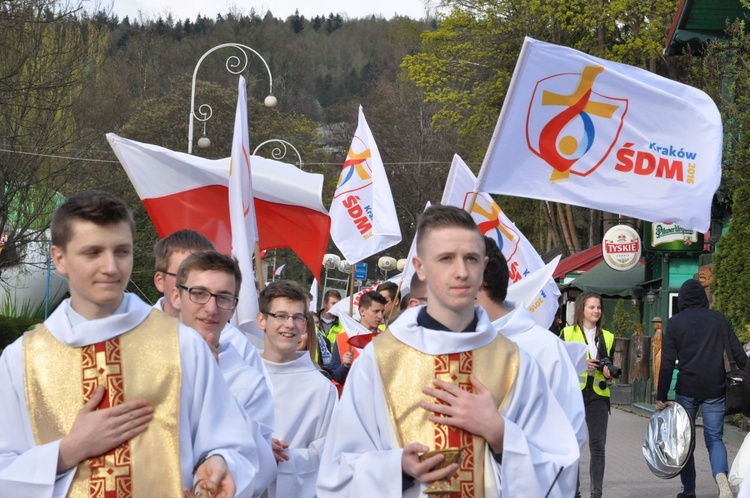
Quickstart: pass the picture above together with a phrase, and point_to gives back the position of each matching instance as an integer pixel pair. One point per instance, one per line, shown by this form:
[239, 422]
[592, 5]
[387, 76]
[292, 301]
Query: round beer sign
[621, 247]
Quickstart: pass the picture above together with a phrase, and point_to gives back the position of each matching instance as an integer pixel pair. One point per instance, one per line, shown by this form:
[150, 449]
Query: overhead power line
[112, 161]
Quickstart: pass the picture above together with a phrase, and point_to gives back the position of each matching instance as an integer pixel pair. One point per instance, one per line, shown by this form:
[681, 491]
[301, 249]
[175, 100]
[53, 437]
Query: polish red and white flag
[182, 191]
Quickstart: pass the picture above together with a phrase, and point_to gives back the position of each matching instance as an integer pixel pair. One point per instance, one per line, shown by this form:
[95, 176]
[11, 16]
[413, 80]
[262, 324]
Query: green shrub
[12, 328]
[624, 319]
[731, 275]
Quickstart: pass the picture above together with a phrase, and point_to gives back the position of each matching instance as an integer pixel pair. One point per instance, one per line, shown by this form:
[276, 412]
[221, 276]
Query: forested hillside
[429, 88]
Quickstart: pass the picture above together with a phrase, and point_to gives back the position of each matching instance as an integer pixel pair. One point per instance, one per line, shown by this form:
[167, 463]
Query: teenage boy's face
[452, 264]
[98, 261]
[372, 316]
[165, 281]
[330, 302]
[281, 336]
[206, 318]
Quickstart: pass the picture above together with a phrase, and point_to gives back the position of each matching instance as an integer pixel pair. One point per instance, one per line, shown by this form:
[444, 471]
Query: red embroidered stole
[405, 371]
[141, 363]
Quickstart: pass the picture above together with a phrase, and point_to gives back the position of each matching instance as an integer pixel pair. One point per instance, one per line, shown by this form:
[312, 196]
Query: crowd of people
[450, 389]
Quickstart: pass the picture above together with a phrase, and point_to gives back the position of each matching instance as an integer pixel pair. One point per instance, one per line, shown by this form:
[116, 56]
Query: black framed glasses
[283, 317]
[169, 273]
[202, 296]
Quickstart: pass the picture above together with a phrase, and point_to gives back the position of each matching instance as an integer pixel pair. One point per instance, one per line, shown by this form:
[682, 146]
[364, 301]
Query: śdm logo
[354, 198]
[573, 131]
[486, 213]
[355, 162]
[488, 220]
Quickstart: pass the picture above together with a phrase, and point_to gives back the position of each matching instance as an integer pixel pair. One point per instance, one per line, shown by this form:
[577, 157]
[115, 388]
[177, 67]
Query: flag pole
[472, 201]
[351, 301]
[351, 290]
[259, 268]
[398, 293]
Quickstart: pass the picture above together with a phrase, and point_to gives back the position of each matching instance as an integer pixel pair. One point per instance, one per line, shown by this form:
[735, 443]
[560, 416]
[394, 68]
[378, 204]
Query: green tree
[465, 66]
[723, 71]
[49, 61]
[731, 280]
[624, 319]
[297, 22]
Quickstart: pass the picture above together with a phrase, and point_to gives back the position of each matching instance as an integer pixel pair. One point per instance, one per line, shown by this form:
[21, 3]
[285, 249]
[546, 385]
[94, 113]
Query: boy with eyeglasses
[106, 387]
[206, 294]
[303, 399]
[169, 253]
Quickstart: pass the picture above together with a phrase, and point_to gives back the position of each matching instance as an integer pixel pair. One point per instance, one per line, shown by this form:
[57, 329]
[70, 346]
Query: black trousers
[597, 416]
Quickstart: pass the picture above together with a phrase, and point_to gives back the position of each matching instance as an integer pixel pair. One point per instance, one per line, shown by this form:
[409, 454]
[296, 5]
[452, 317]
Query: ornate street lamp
[279, 152]
[235, 65]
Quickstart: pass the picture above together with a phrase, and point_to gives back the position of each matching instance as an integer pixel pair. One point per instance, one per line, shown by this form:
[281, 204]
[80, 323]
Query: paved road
[626, 474]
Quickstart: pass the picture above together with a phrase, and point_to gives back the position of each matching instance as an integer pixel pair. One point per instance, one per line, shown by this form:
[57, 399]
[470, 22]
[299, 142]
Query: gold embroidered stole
[405, 371]
[141, 363]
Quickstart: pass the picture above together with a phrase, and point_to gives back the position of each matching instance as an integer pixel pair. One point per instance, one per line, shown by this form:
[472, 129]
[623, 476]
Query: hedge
[12, 328]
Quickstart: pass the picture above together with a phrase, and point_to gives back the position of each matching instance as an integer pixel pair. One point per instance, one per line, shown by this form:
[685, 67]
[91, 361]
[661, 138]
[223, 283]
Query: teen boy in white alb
[441, 377]
[107, 386]
[206, 295]
[303, 397]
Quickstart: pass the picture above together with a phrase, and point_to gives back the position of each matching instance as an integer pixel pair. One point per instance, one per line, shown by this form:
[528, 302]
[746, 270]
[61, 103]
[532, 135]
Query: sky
[181, 9]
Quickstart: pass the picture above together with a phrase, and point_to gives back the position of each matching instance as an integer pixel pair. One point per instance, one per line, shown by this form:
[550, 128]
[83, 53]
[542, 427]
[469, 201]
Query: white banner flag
[522, 258]
[409, 271]
[352, 327]
[585, 131]
[363, 216]
[314, 301]
[242, 215]
[342, 307]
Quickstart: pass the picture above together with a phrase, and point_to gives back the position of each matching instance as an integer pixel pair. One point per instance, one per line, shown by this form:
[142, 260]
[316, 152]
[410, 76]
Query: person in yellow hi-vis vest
[587, 328]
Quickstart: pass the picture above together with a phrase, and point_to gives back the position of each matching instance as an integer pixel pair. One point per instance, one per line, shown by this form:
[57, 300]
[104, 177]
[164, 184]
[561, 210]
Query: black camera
[614, 370]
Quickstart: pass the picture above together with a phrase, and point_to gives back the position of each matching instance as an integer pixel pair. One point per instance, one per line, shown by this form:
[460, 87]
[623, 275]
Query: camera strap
[601, 347]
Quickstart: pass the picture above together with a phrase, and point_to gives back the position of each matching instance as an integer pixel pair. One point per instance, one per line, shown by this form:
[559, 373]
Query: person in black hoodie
[694, 337]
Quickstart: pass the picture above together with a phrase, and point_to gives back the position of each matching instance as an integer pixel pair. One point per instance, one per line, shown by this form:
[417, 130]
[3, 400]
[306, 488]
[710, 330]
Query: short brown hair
[210, 261]
[331, 293]
[182, 240]
[389, 287]
[441, 216]
[366, 299]
[312, 335]
[100, 208]
[281, 288]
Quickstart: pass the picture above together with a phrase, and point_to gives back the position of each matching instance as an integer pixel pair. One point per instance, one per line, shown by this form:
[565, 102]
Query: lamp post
[279, 151]
[386, 264]
[235, 65]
